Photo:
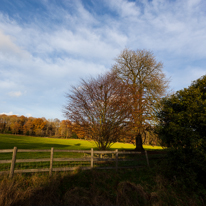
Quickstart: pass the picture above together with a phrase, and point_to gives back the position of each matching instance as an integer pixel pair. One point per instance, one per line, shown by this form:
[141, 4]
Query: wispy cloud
[175, 26]
[15, 94]
[9, 113]
[8, 48]
[45, 52]
[28, 115]
[124, 8]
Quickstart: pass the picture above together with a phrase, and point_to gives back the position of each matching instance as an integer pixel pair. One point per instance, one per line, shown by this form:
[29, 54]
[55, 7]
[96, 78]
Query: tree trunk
[139, 147]
[138, 137]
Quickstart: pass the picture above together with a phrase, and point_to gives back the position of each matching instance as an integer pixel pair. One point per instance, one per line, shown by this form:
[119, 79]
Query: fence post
[13, 162]
[92, 158]
[51, 161]
[116, 159]
[147, 158]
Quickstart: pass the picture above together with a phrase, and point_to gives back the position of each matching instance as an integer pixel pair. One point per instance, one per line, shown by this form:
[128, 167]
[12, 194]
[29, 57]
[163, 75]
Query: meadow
[8, 141]
[30, 142]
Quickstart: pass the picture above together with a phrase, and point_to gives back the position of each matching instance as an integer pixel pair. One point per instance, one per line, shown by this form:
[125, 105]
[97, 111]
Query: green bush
[182, 128]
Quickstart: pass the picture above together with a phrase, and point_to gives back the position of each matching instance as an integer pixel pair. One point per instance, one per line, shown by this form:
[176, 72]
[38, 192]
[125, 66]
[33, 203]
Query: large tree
[100, 108]
[148, 84]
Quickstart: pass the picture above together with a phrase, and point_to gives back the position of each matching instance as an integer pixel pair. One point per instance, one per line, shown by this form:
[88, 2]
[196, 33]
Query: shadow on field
[41, 145]
[44, 146]
[77, 144]
[76, 188]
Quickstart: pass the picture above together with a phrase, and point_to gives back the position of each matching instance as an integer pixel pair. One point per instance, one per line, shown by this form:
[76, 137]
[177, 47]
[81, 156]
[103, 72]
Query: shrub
[182, 128]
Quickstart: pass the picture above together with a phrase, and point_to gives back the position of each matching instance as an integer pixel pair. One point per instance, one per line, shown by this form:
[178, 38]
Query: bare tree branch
[100, 108]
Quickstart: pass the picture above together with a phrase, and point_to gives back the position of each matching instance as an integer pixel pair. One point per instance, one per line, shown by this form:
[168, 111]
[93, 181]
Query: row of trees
[120, 104]
[13, 124]
[36, 126]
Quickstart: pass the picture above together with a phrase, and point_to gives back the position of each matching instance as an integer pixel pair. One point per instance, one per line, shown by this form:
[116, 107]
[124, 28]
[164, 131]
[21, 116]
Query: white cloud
[85, 16]
[6, 84]
[15, 94]
[166, 26]
[8, 48]
[124, 8]
[193, 4]
[9, 113]
[12, 113]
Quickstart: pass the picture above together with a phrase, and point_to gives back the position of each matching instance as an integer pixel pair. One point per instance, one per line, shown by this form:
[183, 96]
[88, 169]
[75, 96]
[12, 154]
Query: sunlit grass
[28, 142]
[119, 145]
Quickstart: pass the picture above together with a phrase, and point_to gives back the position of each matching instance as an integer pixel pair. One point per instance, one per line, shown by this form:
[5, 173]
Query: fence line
[52, 159]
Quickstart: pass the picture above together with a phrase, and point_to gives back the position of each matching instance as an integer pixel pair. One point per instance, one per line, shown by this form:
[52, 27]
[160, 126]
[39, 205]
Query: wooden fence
[91, 159]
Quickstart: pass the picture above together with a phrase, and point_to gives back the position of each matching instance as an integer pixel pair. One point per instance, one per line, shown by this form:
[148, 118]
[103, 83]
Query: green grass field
[29, 142]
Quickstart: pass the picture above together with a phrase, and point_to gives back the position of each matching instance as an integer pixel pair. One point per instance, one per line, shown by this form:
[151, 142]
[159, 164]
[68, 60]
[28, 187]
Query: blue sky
[48, 45]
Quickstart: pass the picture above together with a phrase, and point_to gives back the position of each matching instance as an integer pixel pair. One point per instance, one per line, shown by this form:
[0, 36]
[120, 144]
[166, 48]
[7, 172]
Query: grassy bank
[126, 187]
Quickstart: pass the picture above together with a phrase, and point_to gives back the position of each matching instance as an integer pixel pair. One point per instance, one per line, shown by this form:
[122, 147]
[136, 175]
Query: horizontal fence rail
[115, 158]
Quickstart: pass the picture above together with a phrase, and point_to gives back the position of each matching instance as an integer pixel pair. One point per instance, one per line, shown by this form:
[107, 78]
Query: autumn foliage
[100, 109]
[13, 124]
[143, 73]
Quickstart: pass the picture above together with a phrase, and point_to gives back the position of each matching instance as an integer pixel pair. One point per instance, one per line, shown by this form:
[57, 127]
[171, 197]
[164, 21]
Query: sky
[47, 46]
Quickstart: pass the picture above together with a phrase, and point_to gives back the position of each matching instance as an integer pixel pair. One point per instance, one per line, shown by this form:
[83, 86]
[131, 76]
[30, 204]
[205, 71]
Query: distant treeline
[13, 124]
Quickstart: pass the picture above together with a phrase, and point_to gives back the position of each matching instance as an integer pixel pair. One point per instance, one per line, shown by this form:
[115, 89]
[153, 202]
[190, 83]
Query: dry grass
[130, 194]
[125, 188]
